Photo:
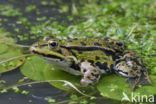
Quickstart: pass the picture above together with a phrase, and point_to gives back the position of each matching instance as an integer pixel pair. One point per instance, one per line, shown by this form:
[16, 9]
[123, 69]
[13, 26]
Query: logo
[137, 97]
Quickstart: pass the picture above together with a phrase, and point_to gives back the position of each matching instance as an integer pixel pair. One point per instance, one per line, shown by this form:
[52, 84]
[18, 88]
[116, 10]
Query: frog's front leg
[72, 59]
[91, 74]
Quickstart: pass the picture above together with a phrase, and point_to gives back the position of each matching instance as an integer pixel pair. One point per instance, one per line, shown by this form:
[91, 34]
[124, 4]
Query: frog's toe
[144, 79]
[133, 82]
[86, 82]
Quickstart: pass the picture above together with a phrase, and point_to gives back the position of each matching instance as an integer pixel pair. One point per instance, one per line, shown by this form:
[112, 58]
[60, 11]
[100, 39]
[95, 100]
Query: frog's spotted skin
[91, 73]
[92, 57]
[132, 67]
[92, 66]
[93, 53]
[103, 62]
[108, 45]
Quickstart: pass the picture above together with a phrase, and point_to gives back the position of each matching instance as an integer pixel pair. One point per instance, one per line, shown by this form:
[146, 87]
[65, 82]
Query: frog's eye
[120, 43]
[52, 44]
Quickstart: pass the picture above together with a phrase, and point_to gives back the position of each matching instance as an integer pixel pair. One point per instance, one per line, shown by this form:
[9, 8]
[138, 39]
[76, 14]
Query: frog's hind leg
[143, 79]
[91, 74]
[89, 78]
[133, 82]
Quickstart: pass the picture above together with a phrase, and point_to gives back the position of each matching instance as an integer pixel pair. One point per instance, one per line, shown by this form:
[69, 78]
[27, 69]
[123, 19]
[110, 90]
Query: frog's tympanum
[92, 57]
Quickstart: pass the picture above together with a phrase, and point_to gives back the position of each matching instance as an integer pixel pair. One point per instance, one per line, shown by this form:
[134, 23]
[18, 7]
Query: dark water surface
[30, 19]
[37, 92]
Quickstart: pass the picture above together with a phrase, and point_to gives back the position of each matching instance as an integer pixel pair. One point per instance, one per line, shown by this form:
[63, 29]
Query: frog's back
[101, 42]
[96, 58]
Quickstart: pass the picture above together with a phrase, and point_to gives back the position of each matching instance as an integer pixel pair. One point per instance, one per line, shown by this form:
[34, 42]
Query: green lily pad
[55, 74]
[36, 68]
[116, 87]
[9, 55]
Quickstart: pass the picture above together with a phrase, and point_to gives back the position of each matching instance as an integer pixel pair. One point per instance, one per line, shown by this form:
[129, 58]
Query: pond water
[37, 92]
[37, 95]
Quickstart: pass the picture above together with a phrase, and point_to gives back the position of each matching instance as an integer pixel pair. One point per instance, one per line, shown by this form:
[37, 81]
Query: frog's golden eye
[52, 43]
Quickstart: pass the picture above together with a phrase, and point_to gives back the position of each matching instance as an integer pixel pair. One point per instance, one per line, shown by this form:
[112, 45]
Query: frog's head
[47, 47]
[55, 54]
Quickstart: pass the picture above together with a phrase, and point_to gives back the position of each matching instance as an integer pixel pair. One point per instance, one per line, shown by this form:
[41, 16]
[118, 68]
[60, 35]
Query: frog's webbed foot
[133, 82]
[91, 74]
[142, 80]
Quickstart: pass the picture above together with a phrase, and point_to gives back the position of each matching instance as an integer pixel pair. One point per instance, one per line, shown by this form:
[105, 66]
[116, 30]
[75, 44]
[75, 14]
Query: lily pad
[55, 74]
[116, 87]
[36, 68]
[9, 55]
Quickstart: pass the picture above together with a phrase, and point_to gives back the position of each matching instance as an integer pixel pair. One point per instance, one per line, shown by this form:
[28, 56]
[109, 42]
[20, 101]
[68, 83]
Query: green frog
[91, 57]
[88, 57]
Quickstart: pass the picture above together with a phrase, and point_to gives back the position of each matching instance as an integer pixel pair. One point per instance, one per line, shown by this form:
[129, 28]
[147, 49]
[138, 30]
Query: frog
[93, 57]
[88, 57]
[131, 66]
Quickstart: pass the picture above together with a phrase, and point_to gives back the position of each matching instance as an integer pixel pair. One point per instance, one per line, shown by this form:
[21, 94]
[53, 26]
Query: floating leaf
[9, 54]
[116, 87]
[37, 68]
[34, 68]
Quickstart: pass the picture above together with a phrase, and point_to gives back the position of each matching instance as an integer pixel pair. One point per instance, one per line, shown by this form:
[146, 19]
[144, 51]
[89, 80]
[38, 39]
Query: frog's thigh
[87, 67]
[91, 74]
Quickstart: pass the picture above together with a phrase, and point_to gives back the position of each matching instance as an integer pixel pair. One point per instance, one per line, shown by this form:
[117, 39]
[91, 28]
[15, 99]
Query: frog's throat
[49, 54]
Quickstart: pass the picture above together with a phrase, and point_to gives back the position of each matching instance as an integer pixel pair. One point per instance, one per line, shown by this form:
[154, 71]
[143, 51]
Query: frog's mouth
[46, 53]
